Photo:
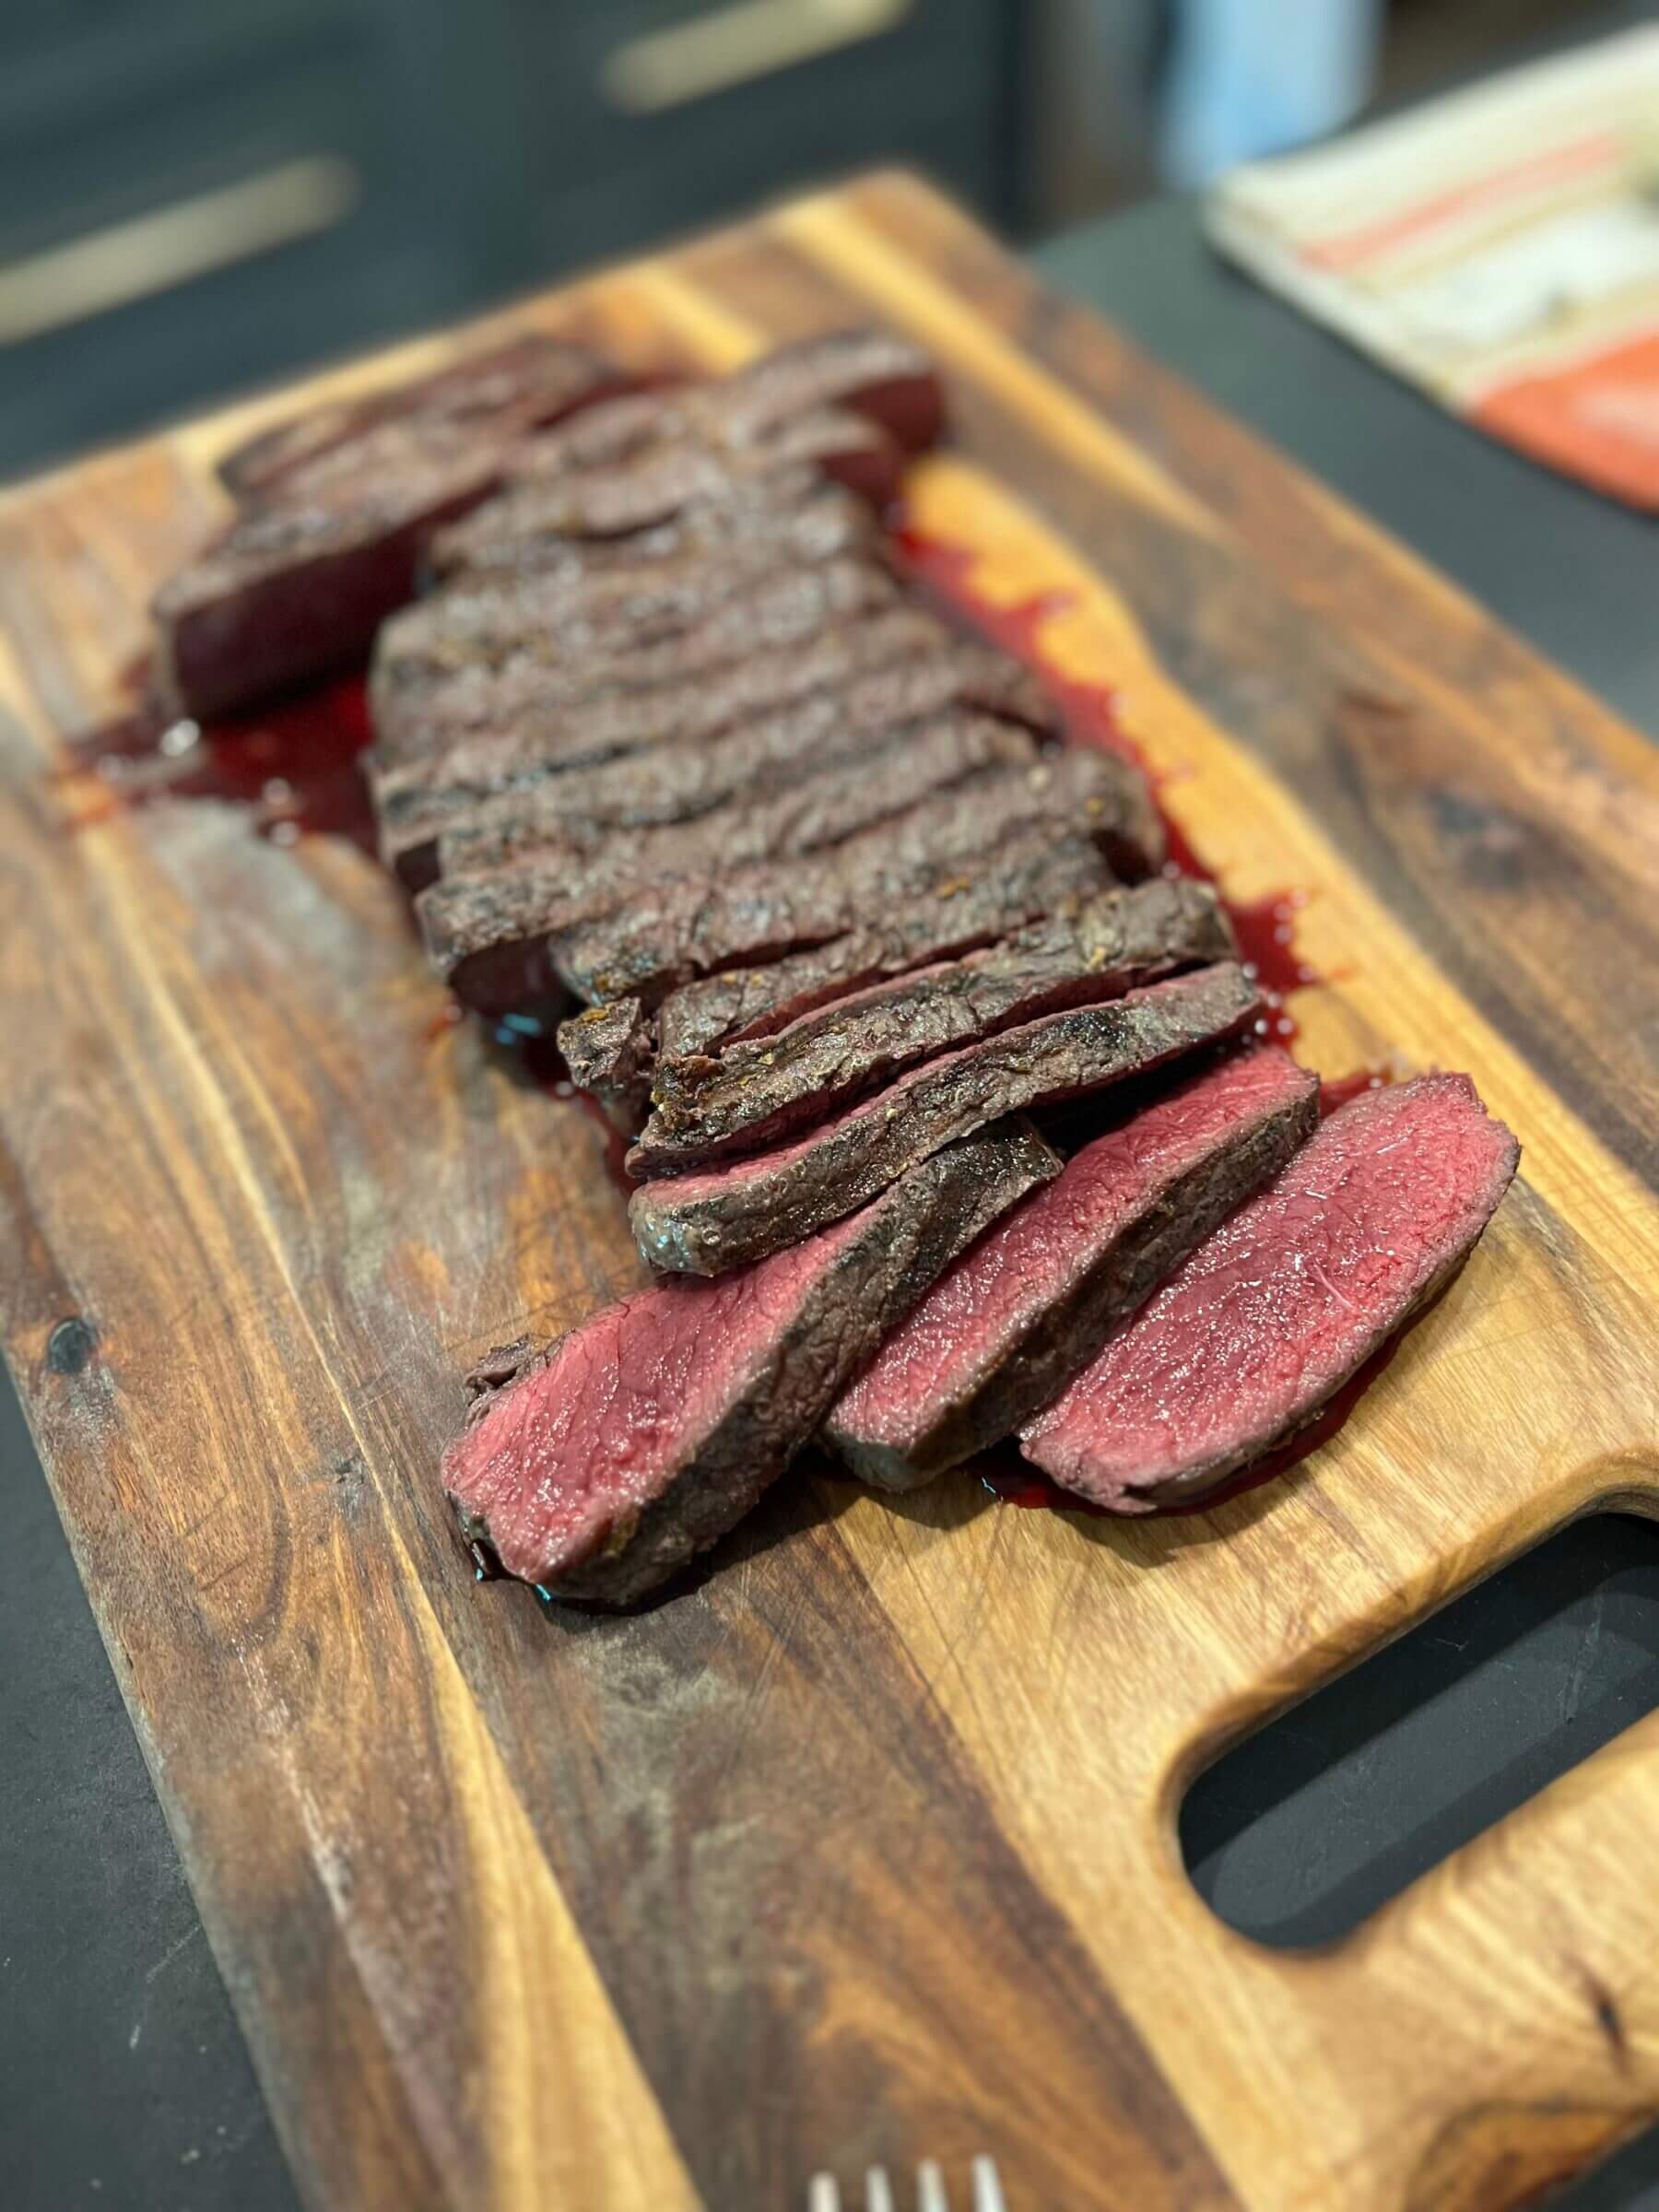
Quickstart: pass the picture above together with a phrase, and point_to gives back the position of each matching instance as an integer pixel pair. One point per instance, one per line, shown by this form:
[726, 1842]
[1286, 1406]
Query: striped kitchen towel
[1498, 247]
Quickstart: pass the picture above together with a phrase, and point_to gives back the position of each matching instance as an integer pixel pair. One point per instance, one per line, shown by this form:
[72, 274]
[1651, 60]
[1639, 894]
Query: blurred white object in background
[1257, 77]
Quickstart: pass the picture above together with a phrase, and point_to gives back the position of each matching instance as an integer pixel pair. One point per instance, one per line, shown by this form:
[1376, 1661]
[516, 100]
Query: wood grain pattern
[864, 1846]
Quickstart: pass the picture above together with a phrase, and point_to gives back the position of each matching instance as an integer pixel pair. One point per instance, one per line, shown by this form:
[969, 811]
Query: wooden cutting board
[864, 1848]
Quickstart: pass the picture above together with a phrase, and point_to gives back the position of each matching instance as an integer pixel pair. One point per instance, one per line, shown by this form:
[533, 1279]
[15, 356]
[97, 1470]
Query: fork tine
[879, 2191]
[822, 2195]
[987, 2187]
[930, 2188]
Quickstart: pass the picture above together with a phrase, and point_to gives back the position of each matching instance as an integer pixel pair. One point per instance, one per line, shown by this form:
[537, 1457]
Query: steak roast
[297, 586]
[482, 733]
[614, 1046]
[792, 508]
[650, 486]
[776, 611]
[776, 752]
[556, 886]
[872, 372]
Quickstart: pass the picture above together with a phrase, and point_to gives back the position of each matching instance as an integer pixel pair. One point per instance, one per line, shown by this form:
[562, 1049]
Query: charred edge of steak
[557, 887]
[496, 1372]
[1069, 1333]
[758, 1091]
[710, 1220]
[1027, 876]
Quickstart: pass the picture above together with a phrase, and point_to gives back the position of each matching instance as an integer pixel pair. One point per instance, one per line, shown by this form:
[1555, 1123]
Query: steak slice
[792, 506]
[1251, 1337]
[772, 612]
[531, 381]
[705, 1222]
[298, 589]
[650, 486]
[874, 372]
[758, 1091]
[483, 730]
[693, 925]
[1032, 1302]
[592, 595]
[553, 889]
[611, 1048]
[676, 783]
[597, 1468]
[1026, 876]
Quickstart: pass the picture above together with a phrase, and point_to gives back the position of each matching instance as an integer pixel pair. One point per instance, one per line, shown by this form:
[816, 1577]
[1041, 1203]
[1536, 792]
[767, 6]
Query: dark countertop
[1573, 573]
[127, 2082]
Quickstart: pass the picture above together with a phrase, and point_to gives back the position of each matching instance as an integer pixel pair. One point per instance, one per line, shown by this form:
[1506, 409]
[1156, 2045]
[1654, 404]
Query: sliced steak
[757, 1091]
[1018, 1315]
[704, 1223]
[298, 589]
[648, 486]
[874, 372]
[792, 507]
[767, 614]
[674, 784]
[1026, 876]
[491, 728]
[531, 381]
[597, 1468]
[589, 602]
[612, 1049]
[561, 885]
[694, 926]
[678, 781]
[1251, 1337]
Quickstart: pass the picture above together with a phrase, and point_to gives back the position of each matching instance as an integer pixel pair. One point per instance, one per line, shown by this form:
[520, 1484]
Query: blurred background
[198, 197]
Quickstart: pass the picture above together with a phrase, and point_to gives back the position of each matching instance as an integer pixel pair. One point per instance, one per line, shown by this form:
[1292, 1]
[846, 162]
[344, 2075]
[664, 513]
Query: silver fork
[822, 2195]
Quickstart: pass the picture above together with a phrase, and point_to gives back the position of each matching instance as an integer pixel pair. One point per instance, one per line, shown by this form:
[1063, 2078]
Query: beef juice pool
[296, 763]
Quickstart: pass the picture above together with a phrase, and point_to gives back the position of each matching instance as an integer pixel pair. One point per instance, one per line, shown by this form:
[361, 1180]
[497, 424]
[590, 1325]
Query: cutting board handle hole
[1297, 1835]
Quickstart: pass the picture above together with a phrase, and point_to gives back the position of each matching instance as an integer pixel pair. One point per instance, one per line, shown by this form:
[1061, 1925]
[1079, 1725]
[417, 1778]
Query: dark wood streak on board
[803, 1835]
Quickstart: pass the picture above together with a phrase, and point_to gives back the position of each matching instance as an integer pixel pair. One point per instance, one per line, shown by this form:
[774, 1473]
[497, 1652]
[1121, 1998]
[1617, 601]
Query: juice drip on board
[296, 763]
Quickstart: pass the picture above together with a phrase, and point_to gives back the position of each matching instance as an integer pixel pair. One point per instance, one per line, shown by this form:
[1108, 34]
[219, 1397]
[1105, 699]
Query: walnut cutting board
[864, 1848]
